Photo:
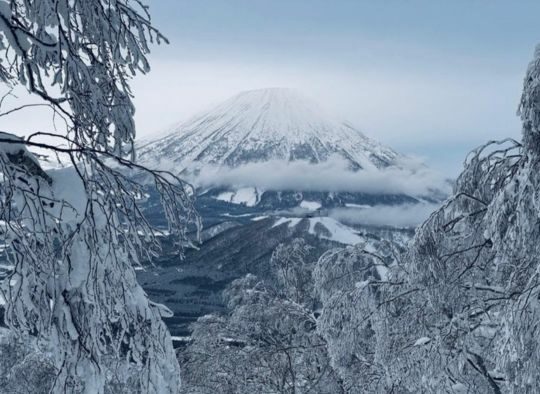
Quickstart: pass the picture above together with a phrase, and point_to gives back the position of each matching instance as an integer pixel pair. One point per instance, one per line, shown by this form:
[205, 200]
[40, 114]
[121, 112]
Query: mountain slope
[263, 125]
[233, 249]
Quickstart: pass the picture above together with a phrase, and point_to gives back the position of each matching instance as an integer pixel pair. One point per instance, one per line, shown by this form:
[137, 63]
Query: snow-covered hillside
[264, 125]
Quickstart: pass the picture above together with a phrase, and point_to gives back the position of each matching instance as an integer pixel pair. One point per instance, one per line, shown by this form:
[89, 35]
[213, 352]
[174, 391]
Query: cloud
[408, 215]
[332, 175]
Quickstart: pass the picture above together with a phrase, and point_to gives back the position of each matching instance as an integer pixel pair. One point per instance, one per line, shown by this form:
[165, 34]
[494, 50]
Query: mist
[408, 215]
[331, 176]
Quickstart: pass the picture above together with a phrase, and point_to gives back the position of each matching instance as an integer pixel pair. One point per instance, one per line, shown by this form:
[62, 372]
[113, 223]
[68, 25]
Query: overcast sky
[431, 78]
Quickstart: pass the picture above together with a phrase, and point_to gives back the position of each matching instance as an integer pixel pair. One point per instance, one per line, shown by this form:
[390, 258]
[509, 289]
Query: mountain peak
[262, 125]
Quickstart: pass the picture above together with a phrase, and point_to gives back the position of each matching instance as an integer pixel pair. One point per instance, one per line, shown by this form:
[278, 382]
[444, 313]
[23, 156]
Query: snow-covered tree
[454, 284]
[266, 344]
[75, 235]
[347, 283]
[293, 271]
[22, 369]
[463, 313]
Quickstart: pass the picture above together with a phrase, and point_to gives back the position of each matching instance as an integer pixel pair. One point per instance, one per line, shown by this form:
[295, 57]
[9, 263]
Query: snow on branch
[74, 235]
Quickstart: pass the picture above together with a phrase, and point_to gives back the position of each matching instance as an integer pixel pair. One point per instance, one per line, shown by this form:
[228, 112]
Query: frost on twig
[73, 236]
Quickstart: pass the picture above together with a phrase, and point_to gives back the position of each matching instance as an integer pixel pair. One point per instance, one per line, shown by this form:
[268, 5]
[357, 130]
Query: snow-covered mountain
[274, 148]
[265, 125]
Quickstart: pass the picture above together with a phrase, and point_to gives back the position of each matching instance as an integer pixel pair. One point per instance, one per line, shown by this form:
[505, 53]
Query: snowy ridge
[262, 125]
[324, 227]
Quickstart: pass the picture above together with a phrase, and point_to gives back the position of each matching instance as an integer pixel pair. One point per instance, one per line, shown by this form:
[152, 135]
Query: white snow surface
[335, 231]
[263, 125]
[257, 218]
[292, 222]
[225, 196]
[311, 205]
[422, 341]
[339, 232]
[246, 195]
[359, 206]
